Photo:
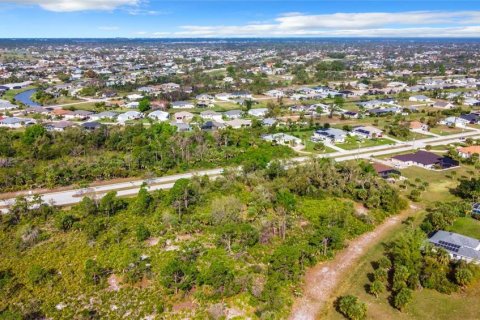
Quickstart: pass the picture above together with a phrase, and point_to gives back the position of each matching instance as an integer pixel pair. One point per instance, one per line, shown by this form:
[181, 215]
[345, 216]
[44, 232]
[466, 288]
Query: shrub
[352, 308]
[402, 298]
[376, 287]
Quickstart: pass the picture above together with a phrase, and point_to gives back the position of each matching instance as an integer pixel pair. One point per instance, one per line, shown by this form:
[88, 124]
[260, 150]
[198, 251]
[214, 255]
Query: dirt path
[321, 281]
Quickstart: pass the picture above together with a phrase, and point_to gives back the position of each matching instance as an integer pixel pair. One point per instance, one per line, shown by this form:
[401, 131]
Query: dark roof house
[426, 159]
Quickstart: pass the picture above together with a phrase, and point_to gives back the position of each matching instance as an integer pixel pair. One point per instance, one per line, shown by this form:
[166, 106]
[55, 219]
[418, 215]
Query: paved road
[69, 197]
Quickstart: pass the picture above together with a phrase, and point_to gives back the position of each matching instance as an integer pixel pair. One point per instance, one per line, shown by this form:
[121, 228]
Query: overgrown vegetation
[241, 241]
[37, 158]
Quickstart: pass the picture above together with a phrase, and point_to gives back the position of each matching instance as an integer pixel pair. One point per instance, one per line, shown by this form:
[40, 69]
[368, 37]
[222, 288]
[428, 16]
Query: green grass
[10, 94]
[354, 143]
[467, 226]
[445, 131]
[309, 145]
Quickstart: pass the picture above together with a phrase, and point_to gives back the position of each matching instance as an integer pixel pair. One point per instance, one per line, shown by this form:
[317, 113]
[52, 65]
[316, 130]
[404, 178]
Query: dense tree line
[38, 158]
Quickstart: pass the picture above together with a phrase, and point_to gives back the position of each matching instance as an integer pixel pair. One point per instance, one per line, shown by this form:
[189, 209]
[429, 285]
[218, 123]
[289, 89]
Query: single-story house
[183, 105]
[223, 96]
[92, 125]
[82, 114]
[260, 112]
[159, 115]
[206, 98]
[212, 125]
[239, 123]
[383, 111]
[59, 125]
[108, 115]
[37, 110]
[134, 97]
[275, 93]
[384, 171]
[6, 105]
[351, 114]
[183, 116]
[376, 103]
[233, 114]
[472, 118]
[211, 115]
[129, 115]
[241, 95]
[472, 102]
[14, 122]
[132, 105]
[181, 127]
[268, 122]
[454, 122]
[467, 152]
[329, 135]
[367, 132]
[425, 159]
[458, 246]
[419, 98]
[418, 126]
[443, 105]
[282, 138]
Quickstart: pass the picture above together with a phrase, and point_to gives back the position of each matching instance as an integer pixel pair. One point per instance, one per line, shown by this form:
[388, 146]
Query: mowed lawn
[305, 135]
[353, 143]
[445, 131]
[466, 226]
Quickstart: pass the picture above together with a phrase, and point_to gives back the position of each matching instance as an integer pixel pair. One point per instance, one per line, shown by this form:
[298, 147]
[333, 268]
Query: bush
[142, 233]
[380, 274]
[352, 308]
[376, 287]
[463, 276]
[402, 298]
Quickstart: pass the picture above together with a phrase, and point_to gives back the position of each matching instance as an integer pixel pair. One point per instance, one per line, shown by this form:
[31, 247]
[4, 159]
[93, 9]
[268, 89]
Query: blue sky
[233, 18]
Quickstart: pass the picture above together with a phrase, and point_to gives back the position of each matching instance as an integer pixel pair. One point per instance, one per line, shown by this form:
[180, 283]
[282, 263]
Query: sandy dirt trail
[321, 281]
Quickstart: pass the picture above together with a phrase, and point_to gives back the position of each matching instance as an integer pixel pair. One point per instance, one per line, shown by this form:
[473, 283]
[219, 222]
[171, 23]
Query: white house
[159, 115]
[211, 115]
[110, 115]
[15, 123]
[129, 115]
[329, 135]
[282, 138]
[454, 122]
[133, 105]
[223, 96]
[183, 105]
[239, 123]
[367, 132]
[419, 98]
[260, 112]
[275, 93]
[134, 97]
[6, 105]
[233, 114]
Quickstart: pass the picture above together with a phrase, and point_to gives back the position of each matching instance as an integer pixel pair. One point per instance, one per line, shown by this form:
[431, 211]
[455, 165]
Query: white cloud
[108, 28]
[77, 5]
[370, 24]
